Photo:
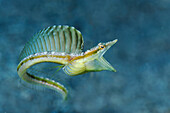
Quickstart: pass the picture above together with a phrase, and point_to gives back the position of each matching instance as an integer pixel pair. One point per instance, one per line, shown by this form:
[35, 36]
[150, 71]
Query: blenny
[62, 45]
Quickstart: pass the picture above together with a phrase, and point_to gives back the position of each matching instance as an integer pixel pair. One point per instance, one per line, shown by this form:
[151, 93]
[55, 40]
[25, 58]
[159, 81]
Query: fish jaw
[96, 62]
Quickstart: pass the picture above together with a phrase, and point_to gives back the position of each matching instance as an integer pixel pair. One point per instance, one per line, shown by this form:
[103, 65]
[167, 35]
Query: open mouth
[104, 62]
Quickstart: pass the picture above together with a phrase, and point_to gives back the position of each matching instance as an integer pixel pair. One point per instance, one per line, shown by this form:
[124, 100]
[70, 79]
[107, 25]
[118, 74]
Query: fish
[62, 45]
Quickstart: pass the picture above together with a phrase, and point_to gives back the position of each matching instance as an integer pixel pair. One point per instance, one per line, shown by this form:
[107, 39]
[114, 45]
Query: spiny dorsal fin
[55, 38]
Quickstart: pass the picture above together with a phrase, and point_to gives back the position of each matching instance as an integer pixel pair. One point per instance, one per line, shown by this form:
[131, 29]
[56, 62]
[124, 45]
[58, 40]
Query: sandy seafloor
[141, 56]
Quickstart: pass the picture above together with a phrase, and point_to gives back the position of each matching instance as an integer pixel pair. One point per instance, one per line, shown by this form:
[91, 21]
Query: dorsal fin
[55, 38]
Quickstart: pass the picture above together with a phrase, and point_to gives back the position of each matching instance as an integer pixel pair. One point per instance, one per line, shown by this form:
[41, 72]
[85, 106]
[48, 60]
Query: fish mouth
[108, 45]
[103, 61]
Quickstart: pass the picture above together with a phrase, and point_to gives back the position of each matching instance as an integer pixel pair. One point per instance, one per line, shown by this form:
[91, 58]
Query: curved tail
[51, 84]
[45, 82]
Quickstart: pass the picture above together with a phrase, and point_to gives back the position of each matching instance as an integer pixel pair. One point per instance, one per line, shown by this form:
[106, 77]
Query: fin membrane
[55, 38]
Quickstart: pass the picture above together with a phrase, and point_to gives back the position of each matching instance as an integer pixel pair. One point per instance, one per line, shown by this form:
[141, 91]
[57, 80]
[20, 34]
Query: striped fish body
[62, 45]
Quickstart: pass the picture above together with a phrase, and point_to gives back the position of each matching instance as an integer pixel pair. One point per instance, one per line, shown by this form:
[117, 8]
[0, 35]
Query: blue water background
[141, 56]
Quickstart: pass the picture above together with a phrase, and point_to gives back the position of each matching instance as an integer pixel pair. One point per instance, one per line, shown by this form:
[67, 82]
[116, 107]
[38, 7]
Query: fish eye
[101, 46]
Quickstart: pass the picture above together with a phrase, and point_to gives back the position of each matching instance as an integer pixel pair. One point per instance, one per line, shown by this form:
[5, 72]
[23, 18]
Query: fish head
[103, 47]
[97, 62]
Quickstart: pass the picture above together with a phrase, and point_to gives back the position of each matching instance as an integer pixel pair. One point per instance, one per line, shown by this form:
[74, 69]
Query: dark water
[141, 56]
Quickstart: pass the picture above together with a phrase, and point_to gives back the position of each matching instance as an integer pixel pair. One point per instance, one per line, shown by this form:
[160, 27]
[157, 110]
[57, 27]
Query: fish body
[62, 45]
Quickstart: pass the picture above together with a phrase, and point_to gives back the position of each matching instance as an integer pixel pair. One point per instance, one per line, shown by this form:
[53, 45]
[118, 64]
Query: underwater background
[141, 56]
